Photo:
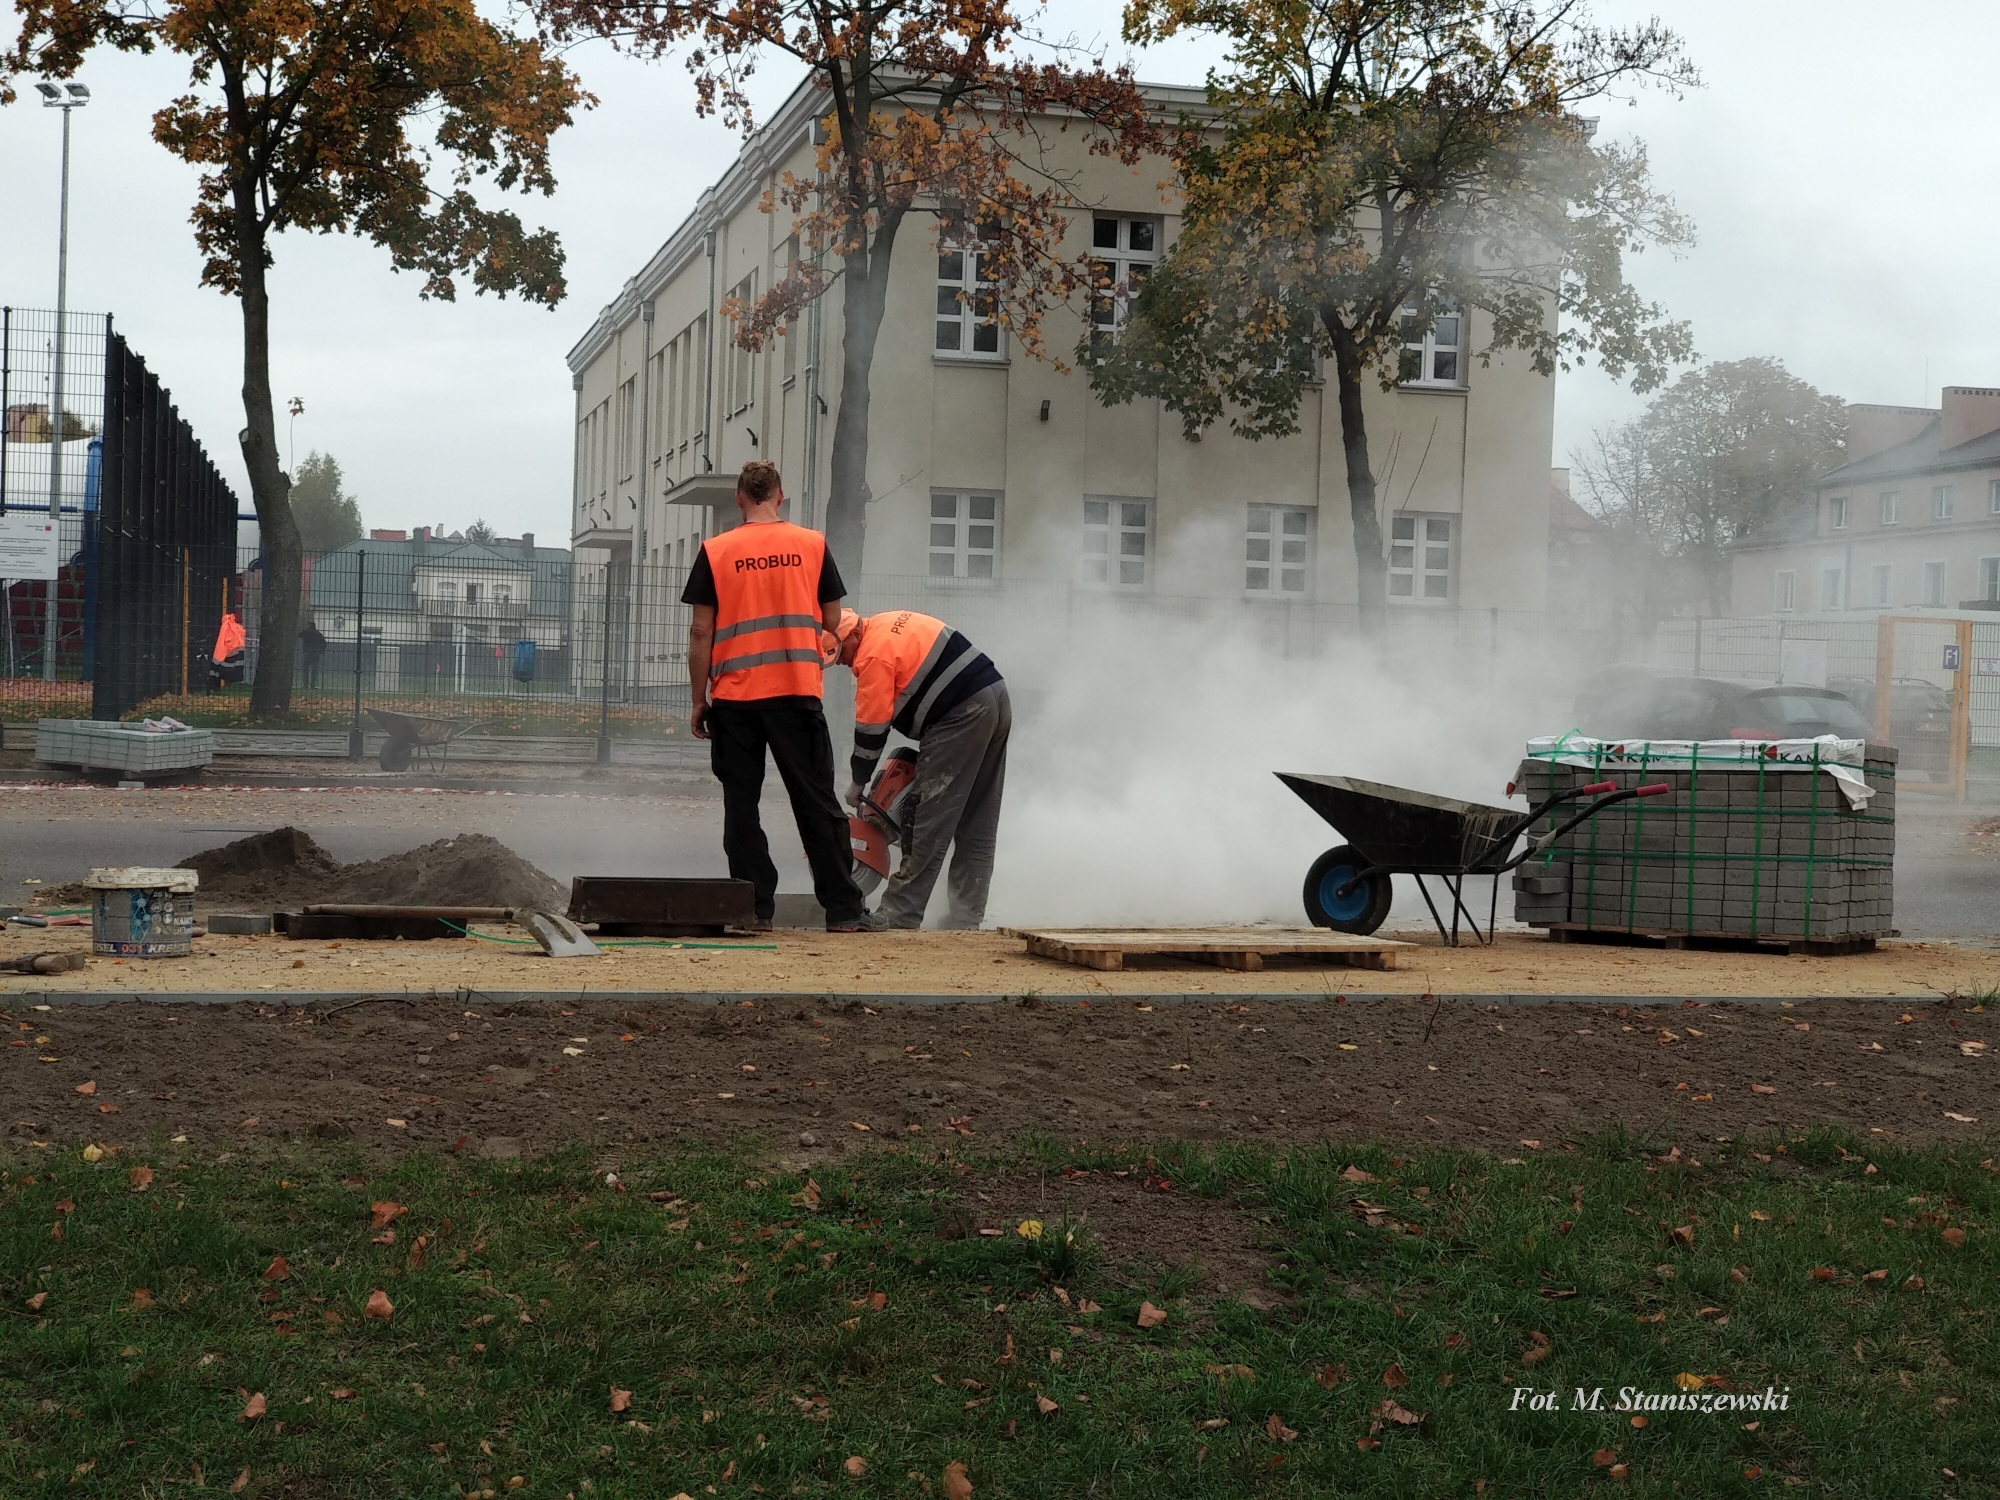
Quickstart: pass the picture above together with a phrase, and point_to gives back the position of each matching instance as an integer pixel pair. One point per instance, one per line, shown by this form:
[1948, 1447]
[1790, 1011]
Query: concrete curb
[300, 999]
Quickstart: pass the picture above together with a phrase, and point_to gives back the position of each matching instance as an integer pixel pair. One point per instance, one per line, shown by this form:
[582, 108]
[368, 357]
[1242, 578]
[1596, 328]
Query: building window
[1829, 589]
[965, 534]
[1435, 357]
[1934, 583]
[1837, 512]
[966, 306]
[1277, 550]
[1989, 579]
[1123, 252]
[1117, 541]
[1941, 503]
[742, 364]
[1787, 592]
[1420, 557]
[1884, 575]
[1890, 501]
[791, 334]
[1993, 497]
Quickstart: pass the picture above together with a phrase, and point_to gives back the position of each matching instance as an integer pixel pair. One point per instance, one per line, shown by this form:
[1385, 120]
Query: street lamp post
[66, 98]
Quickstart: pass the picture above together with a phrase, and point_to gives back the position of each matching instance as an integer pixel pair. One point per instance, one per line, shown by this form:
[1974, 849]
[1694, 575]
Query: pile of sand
[287, 869]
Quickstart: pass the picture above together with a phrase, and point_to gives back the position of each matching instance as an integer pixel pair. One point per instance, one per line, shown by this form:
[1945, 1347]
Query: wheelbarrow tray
[1408, 832]
[418, 729]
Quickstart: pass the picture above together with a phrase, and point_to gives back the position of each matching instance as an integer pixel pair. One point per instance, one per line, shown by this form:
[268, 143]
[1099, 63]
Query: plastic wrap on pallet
[1843, 760]
[1739, 846]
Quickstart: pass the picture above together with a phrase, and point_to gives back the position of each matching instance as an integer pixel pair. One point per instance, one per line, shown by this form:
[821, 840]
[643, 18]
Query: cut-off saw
[887, 808]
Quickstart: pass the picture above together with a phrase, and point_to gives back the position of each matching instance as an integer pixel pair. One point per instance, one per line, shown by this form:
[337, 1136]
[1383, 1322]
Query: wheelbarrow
[414, 734]
[1391, 830]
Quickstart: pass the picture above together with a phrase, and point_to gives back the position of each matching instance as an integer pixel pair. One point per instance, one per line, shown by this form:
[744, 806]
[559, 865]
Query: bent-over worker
[922, 678]
[761, 594]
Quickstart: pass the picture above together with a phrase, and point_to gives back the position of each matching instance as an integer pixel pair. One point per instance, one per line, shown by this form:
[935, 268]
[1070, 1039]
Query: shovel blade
[559, 936]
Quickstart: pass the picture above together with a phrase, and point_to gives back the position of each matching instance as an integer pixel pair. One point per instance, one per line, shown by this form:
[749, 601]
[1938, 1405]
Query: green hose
[625, 943]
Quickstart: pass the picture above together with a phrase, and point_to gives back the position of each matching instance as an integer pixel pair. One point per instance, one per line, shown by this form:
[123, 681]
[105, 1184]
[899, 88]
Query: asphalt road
[1947, 879]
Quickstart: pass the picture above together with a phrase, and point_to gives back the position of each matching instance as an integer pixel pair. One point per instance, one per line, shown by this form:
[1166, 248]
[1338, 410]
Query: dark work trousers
[795, 735]
[961, 772]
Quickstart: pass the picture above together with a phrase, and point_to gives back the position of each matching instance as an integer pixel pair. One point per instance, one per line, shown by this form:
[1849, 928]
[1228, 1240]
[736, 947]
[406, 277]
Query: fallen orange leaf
[379, 1306]
[957, 1485]
[856, 1465]
[342, 1393]
[35, 1302]
[277, 1270]
[240, 1483]
[1953, 1236]
[1603, 1458]
[141, 1300]
[141, 1178]
[1151, 1316]
[1275, 1429]
[87, 1088]
[1045, 1406]
[386, 1213]
[1331, 1375]
[254, 1408]
[1394, 1378]
[621, 1400]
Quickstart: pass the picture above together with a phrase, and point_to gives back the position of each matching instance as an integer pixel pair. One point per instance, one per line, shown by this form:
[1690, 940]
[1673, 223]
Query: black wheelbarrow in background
[1391, 830]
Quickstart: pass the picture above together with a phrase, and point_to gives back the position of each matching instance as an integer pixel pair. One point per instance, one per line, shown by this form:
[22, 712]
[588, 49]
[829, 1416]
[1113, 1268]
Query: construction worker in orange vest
[920, 677]
[761, 594]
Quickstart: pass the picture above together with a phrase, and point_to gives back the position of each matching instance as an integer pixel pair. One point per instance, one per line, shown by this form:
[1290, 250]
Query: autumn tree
[365, 117]
[927, 110]
[1719, 453]
[328, 517]
[1369, 167]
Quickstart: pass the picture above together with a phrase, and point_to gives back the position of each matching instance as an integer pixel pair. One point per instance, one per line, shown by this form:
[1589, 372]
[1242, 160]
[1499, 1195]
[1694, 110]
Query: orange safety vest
[767, 616]
[895, 649]
[229, 639]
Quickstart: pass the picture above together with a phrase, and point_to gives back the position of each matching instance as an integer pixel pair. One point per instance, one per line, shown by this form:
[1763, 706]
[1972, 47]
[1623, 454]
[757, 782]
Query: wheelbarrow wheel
[395, 755]
[1362, 909]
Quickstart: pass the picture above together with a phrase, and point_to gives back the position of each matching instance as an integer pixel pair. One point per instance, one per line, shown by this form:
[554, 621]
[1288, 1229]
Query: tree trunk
[270, 490]
[864, 297]
[1371, 567]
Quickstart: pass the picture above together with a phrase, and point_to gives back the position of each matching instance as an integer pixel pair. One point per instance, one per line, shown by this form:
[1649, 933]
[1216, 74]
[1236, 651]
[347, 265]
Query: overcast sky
[1840, 172]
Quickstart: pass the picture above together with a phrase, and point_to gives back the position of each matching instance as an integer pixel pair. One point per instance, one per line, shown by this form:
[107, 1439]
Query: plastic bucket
[140, 913]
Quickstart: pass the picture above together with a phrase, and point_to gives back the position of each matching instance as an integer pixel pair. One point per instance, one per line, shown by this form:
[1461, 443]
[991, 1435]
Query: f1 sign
[1951, 657]
[29, 545]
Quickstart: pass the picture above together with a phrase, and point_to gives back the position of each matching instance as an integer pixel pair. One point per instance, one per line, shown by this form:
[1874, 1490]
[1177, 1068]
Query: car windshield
[1819, 712]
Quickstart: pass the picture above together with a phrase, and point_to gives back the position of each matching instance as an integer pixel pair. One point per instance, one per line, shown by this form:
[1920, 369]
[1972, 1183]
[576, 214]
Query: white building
[1003, 480]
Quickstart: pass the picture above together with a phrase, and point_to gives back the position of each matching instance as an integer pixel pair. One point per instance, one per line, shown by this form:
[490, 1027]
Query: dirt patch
[456, 1073]
[1138, 1222]
[287, 868]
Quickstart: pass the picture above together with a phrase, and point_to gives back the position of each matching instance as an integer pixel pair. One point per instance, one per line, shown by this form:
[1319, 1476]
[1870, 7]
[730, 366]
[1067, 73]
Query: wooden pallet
[1241, 948]
[1576, 932]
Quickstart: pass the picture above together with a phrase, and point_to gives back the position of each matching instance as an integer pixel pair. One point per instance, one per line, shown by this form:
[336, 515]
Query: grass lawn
[711, 1323]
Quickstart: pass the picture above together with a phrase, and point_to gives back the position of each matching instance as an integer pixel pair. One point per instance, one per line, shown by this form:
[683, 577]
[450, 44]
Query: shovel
[559, 936]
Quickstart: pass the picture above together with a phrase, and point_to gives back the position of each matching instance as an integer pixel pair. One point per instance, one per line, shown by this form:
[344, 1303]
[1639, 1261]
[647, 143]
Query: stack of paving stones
[1739, 852]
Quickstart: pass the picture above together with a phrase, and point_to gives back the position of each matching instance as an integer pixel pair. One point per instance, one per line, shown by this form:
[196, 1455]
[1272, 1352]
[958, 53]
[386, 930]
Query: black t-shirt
[701, 581]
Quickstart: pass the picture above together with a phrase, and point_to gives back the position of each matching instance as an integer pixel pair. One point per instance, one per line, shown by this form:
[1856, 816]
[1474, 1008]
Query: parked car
[1916, 707]
[1635, 702]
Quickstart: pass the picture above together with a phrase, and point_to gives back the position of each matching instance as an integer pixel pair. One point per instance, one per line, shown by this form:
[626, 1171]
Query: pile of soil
[288, 868]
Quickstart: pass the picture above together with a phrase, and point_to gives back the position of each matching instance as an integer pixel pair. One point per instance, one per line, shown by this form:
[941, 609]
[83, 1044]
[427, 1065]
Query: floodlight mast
[73, 97]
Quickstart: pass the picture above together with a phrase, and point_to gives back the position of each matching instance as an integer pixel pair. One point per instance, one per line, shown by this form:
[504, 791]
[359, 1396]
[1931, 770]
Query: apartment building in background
[1910, 522]
[996, 474]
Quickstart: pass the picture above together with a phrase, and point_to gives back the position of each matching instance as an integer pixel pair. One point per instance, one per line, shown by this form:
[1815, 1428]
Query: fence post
[360, 598]
[1961, 710]
[1885, 674]
[186, 600]
[604, 682]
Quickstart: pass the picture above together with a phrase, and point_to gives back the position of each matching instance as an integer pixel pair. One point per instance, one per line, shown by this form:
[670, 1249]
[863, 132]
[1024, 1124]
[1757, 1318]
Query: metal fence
[48, 464]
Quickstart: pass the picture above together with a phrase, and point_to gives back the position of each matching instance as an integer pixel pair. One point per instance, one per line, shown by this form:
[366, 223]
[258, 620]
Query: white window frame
[964, 536]
[1935, 573]
[1117, 542]
[1943, 502]
[1124, 248]
[1832, 588]
[1415, 538]
[1993, 497]
[741, 368]
[1278, 551]
[1989, 578]
[959, 299]
[1837, 513]
[1784, 591]
[1432, 348]
[1892, 502]
[1884, 575]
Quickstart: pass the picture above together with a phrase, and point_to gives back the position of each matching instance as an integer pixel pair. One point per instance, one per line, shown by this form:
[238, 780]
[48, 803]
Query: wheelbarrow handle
[1582, 815]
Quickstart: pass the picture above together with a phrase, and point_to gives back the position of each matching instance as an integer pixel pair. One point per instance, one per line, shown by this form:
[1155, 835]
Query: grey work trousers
[961, 770]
